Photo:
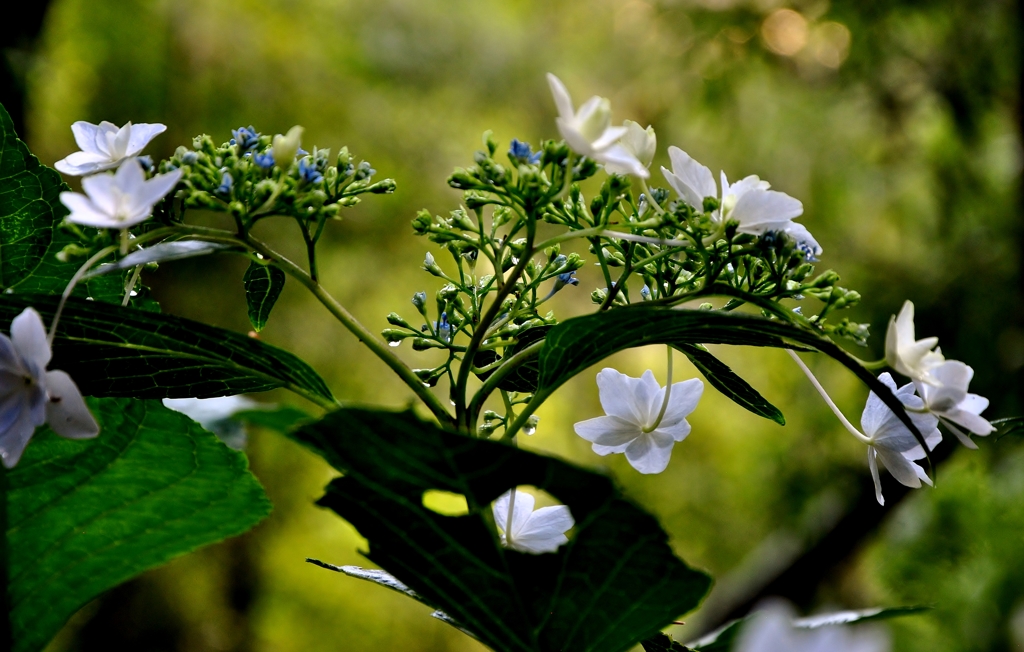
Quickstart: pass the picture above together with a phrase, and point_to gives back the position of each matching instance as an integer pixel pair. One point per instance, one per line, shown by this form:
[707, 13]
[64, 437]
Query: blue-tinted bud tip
[522, 152]
[265, 160]
[308, 172]
[225, 184]
[245, 138]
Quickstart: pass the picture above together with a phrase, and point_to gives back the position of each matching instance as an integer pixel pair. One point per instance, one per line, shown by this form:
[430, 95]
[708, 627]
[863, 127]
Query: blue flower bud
[189, 158]
[808, 251]
[364, 171]
[560, 259]
[645, 293]
[146, 162]
[308, 172]
[264, 160]
[520, 152]
[245, 138]
[419, 300]
[444, 329]
[226, 182]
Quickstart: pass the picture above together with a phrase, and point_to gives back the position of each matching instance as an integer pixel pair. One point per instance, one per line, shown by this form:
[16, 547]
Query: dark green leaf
[115, 351]
[575, 344]
[663, 643]
[524, 377]
[726, 381]
[87, 515]
[282, 419]
[1008, 426]
[263, 285]
[615, 583]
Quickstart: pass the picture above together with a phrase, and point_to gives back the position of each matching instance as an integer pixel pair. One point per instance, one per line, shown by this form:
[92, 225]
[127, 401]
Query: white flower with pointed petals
[641, 143]
[631, 426]
[105, 146]
[532, 531]
[749, 202]
[31, 396]
[120, 200]
[771, 629]
[588, 131]
[892, 443]
[909, 356]
[947, 398]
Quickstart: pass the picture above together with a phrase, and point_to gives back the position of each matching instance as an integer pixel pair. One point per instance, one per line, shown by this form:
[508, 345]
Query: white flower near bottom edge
[588, 131]
[31, 396]
[532, 531]
[892, 443]
[946, 397]
[632, 406]
[105, 146]
[120, 200]
[771, 629]
[749, 201]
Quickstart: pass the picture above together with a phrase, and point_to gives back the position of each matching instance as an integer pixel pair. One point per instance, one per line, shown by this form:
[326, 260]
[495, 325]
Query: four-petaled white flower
[588, 131]
[771, 629]
[31, 396]
[909, 356]
[532, 531]
[105, 146]
[891, 442]
[632, 407]
[748, 202]
[947, 398]
[120, 200]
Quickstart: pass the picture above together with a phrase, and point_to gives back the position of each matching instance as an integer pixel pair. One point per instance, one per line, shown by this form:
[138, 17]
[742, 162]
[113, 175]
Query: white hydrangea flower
[947, 398]
[909, 356]
[31, 396]
[631, 426]
[120, 200]
[588, 131]
[748, 202]
[105, 146]
[532, 531]
[641, 143]
[892, 443]
[771, 629]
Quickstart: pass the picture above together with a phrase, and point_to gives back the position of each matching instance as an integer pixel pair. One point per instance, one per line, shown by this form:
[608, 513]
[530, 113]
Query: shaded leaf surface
[729, 383]
[263, 285]
[87, 515]
[115, 351]
[523, 378]
[615, 583]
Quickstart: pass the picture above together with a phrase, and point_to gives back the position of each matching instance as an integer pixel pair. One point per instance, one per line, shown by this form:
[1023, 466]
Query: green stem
[668, 392]
[525, 415]
[828, 400]
[131, 285]
[492, 382]
[650, 198]
[98, 256]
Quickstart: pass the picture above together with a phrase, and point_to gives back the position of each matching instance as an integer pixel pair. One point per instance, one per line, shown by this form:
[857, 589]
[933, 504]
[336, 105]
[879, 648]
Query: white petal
[152, 191]
[82, 163]
[520, 513]
[130, 176]
[608, 450]
[141, 134]
[83, 211]
[618, 160]
[873, 465]
[648, 396]
[545, 530]
[650, 453]
[119, 144]
[29, 338]
[576, 140]
[103, 192]
[972, 422]
[561, 96]
[608, 139]
[974, 404]
[85, 136]
[770, 630]
[800, 233]
[607, 431]
[66, 412]
[761, 207]
[691, 180]
[682, 401]
[617, 396]
[875, 411]
[9, 359]
[963, 437]
[900, 467]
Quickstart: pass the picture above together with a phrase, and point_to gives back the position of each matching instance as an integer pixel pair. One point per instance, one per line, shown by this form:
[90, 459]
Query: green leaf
[729, 383]
[663, 643]
[615, 583]
[115, 351]
[523, 378]
[86, 515]
[575, 344]
[281, 419]
[263, 285]
[29, 209]
[1008, 426]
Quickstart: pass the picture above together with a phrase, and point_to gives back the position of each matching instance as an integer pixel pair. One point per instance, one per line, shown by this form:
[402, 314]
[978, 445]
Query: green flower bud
[394, 335]
[599, 296]
[396, 320]
[287, 146]
[383, 187]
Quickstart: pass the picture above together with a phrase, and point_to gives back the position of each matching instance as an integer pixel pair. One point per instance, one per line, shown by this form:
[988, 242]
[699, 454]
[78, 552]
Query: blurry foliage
[896, 123]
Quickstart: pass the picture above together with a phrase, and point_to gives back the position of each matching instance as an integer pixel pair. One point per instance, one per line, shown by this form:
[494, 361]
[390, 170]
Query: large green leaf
[729, 383]
[575, 344]
[87, 515]
[263, 285]
[115, 351]
[615, 583]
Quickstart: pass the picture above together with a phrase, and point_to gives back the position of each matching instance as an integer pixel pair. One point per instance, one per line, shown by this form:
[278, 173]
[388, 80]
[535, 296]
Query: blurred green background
[897, 123]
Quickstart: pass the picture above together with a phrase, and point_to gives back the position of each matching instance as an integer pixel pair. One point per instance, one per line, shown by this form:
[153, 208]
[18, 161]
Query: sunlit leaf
[86, 515]
[615, 583]
[263, 285]
[115, 351]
